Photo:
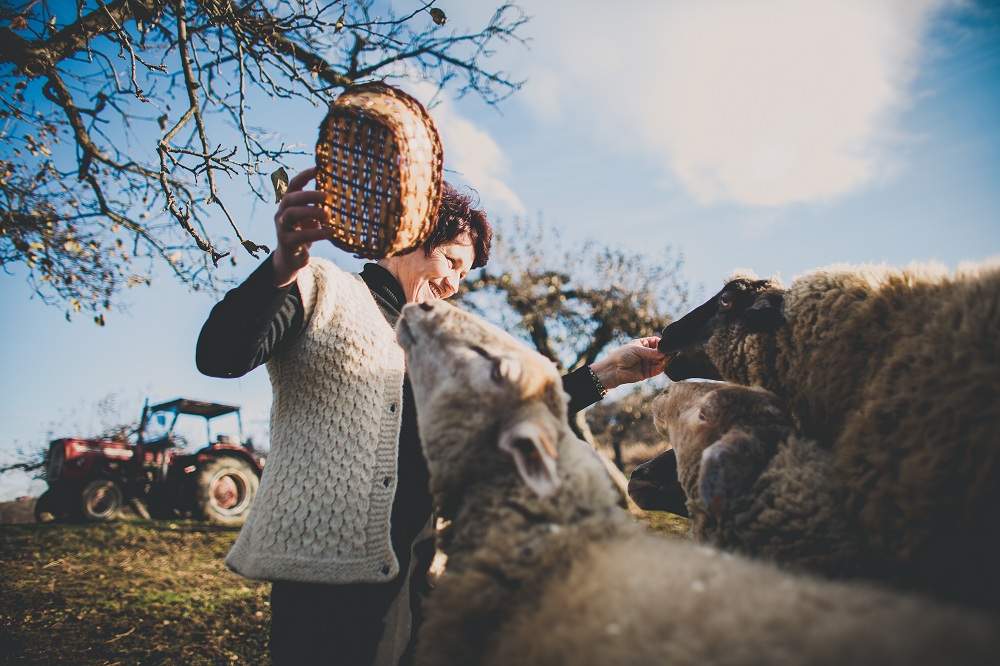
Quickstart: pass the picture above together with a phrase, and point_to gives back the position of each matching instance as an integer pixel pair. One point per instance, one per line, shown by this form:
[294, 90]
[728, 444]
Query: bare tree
[124, 121]
[115, 420]
[571, 301]
[625, 426]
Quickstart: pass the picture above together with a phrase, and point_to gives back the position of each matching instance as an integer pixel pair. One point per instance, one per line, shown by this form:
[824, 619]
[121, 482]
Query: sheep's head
[722, 437]
[476, 386]
[706, 342]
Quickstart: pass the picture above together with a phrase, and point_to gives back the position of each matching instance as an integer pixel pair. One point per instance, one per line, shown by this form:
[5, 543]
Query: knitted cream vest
[321, 514]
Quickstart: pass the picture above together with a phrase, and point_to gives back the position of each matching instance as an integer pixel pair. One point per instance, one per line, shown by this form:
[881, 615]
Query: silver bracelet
[597, 382]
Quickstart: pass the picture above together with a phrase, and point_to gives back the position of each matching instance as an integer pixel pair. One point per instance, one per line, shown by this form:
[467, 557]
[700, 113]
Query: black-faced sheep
[545, 568]
[753, 484]
[897, 371]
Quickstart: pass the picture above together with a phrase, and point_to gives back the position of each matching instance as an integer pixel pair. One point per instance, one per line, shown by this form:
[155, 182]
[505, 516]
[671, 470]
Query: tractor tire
[224, 490]
[101, 501]
[51, 506]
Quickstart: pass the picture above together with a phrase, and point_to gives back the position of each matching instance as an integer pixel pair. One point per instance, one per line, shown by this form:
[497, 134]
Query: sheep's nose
[676, 335]
[641, 472]
[425, 306]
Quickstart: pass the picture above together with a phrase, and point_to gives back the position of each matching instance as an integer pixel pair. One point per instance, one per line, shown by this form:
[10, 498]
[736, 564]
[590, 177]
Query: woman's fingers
[298, 217]
[298, 211]
[308, 199]
[298, 223]
[650, 342]
[308, 236]
[300, 180]
[301, 198]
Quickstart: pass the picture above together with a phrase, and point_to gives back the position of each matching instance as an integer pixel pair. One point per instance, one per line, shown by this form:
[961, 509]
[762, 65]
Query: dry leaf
[438, 16]
[279, 179]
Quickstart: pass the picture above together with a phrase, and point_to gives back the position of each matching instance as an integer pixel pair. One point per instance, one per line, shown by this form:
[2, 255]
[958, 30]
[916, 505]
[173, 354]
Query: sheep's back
[920, 456]
[843, 323]
[647, 600]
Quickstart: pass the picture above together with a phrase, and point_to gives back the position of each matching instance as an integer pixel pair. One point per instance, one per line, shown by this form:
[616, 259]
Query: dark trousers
[328, 624]
[313, 624]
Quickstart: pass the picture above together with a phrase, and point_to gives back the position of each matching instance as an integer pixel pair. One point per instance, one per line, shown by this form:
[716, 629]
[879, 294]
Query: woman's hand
[297, 223]
[632, 362]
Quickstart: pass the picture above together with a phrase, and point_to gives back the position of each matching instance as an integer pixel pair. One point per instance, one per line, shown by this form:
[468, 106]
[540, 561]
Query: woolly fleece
[545, 568]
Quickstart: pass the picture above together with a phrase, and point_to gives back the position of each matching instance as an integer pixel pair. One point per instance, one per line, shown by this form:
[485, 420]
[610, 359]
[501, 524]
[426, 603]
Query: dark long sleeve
[582, 390]
[249, 325]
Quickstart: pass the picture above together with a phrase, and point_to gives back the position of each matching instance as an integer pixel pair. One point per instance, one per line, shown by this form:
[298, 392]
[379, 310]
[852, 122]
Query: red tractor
[93, 479]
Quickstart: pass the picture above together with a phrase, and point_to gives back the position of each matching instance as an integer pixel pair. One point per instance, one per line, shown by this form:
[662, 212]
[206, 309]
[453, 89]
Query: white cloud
[763, 102]
[477, 158]
[471, 153]
[544, 90]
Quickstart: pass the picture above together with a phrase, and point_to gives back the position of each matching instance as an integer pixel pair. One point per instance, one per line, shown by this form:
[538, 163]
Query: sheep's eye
[496, 364]
[496, 371]
[726, 301]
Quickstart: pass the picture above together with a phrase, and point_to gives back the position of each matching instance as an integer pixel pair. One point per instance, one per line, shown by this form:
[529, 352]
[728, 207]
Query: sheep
[897, 372]
[753, 484]
[544, 567]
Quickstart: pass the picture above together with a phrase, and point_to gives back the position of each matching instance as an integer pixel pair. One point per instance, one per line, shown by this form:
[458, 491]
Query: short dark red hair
[458, 214]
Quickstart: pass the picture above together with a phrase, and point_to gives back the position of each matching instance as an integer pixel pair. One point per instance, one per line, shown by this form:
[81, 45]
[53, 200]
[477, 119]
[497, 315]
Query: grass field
[138, 592]
[127, 592]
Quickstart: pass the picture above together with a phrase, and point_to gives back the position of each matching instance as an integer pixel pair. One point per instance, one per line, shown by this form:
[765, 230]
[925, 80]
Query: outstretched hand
[632, 362]
[298, 225]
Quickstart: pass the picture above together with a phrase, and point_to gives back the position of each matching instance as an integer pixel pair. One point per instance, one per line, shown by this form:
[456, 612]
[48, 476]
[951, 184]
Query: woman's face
[426, 277]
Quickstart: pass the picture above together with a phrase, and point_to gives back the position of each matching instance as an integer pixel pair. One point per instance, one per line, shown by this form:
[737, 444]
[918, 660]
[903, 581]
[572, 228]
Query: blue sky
[775, 135]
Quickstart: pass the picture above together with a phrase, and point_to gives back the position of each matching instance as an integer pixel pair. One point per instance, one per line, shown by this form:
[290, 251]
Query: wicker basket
[379, 161]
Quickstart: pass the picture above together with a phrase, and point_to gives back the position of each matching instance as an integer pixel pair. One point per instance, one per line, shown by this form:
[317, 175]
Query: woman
[341, 520]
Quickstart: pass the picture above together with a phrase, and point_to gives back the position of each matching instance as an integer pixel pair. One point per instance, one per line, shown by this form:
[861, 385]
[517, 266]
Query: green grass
[665, 524]
[127, 592]
[141, 592]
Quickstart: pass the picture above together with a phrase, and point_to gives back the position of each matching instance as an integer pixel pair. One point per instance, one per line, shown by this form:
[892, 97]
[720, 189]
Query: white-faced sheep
[545, 568]
[897, 371]
[753, 484]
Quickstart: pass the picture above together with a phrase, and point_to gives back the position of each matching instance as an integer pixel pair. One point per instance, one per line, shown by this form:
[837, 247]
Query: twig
[117, 636]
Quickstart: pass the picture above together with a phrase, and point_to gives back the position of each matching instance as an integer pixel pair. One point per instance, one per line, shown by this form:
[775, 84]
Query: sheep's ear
[729, 468]
[764, 315]
[530, 439]
[708, 406]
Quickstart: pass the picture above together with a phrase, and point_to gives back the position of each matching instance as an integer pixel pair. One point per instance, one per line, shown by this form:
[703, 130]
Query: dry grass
[665, 524]
[141, 592]
[127, 592]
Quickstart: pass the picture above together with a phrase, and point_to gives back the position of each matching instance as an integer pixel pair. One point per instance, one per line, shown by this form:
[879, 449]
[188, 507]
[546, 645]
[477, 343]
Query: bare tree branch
[574, 300]
[128, 122]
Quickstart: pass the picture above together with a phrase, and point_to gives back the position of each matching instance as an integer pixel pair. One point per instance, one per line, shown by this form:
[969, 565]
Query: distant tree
[116, 420]
[123, 121]
[571, 301]
[27, 461]
[626, 424]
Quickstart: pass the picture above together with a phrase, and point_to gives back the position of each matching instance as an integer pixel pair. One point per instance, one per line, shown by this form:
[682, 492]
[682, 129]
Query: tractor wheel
[52, 506]
[101, 500]
[224, 491]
